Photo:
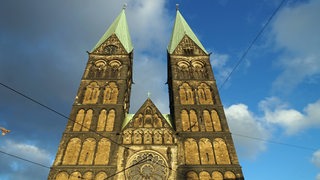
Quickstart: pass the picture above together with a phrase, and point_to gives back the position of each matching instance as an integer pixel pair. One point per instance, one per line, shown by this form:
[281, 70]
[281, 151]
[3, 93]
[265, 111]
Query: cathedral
[102, 140]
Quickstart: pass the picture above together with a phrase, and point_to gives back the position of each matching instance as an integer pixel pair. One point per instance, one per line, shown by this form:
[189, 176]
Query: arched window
[216, 120]
[228, 175]
[79, 120]
[87, 120]
[157, 137]
[110, 120]
[103, 151]
[62, 176]
[221, 151]
[147, 138]
[157, 123]
[204, 94]
[191, 151]
[111, 93]
[102, 120]
[207, 120]
[206, 151]
[87, 152]
[127, 137]
[137, 137]
[91, 94]
[72, 151]
[185, 120]
[88, 175]
[216, 175]
[101, 176]
[191, 175]
[183, 67]
[186, 94]
[194, 121]
[167, 137]
[75, 176]
[204, 175]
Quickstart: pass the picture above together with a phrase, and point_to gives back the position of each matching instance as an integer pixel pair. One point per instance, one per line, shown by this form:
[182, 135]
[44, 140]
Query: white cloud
[316, 158]
[219, 64]
[244, 124]
[296, 31]
[293, 121]
[148, 21]
[13, 168]
[316, 161]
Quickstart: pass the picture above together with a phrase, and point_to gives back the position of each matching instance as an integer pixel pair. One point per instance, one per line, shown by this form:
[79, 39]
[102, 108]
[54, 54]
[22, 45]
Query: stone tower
[103, 141]
[205, 145]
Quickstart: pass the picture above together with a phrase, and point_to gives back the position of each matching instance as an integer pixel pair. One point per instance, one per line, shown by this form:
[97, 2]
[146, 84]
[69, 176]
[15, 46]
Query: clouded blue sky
[273, 96]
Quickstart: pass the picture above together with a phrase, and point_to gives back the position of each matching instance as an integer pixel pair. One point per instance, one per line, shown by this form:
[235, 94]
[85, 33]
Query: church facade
[103, 141]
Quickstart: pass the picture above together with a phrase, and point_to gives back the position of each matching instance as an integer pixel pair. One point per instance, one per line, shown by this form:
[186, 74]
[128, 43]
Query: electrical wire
[62, 115]
[224, 82]
[253, 42]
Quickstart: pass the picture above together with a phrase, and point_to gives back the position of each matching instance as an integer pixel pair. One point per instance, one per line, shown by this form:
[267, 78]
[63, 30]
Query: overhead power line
[245, 53]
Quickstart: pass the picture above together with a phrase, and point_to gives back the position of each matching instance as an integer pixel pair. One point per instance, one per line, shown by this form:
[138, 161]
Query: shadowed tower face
[103, 141]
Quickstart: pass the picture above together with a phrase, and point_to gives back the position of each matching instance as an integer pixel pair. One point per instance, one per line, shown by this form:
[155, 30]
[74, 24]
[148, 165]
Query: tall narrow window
[207, 120]
[185, 120]
[221, 151]
[79, 120]
[206, 151]
[87, 120]
[216, 120]
[110, 120]
[103, 151]
[102, 120]
[87, 152]
[191, 151]
[72, 152]
[194, 121]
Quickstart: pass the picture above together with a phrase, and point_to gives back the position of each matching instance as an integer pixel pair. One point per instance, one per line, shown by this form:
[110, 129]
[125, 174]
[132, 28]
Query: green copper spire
[180, 29]
[120, 28]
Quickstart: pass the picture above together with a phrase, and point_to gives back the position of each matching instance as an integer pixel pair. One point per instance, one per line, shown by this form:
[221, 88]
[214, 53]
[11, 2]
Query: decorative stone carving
[147, 165]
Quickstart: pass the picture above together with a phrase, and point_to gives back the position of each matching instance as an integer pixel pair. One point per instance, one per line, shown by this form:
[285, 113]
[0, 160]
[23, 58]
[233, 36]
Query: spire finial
[124, 6]
[149, 94]
[177, 7]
